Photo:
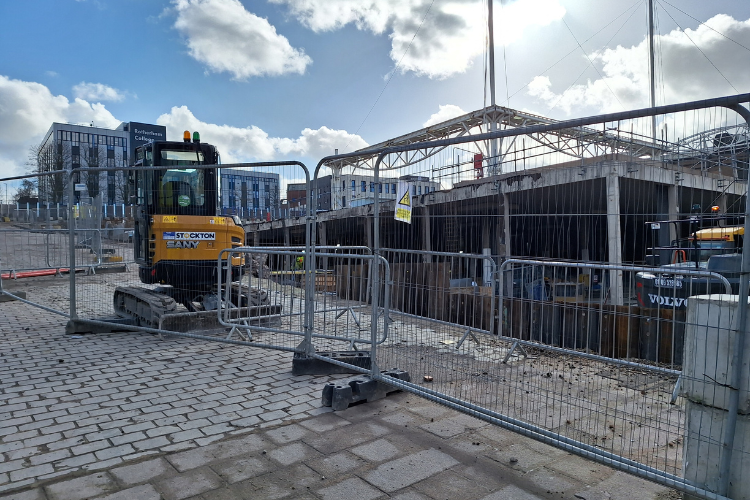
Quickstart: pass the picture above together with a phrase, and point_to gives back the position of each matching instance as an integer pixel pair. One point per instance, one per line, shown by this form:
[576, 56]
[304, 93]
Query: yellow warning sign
[169, 219]
[403, 205]
[405, 199]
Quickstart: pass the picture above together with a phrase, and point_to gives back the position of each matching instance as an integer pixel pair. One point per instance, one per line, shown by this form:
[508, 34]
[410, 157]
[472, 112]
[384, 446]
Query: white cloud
[686, 74]
[27, 110]
[446, 112]
[452, 35]
[238, 144]
[97, 92]
[227, 38]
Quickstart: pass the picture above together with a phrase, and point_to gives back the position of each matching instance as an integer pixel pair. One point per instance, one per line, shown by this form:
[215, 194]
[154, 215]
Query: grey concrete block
[191, 459]
[405, 471]
[35, 494]
[142, 472]
[189, 484]
[349, 489]
[376, 451]
[233, 471]
[81, 488]
[340, 463]
[143, 492]
[451, 485]
[512, 493]
[325, 423]
[292, 453]
[286, 434]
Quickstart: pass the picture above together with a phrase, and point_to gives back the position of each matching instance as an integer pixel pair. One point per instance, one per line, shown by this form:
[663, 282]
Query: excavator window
[181, 190]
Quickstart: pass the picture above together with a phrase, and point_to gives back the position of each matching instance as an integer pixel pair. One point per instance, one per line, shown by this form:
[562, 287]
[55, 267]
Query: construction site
[541, 285]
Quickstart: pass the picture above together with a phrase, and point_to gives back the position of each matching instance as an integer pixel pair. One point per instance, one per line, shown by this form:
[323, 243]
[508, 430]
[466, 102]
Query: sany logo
[182, 244]
[667, 301]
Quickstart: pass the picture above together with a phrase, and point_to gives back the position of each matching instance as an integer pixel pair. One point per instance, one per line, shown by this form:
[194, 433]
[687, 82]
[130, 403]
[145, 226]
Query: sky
[298, 79]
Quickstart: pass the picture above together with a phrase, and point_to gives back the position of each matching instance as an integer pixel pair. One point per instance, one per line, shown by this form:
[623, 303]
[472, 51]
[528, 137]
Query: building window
[354, 187]
[414, 190]
[372, 187]
[343, 202]
[380, 187]
[393, 188]
[387, 188]
[419, 189]
[364, 186]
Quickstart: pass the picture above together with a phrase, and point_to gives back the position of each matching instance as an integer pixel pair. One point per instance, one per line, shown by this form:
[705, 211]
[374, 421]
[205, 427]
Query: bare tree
[49, 159]
[95, 157]
[26, 191]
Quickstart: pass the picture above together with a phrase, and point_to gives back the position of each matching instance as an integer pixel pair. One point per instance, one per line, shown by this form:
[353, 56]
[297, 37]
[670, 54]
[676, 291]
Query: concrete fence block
[709, 342]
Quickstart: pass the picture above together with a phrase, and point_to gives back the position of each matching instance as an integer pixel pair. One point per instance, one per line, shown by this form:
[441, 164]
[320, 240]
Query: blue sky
[294, 79]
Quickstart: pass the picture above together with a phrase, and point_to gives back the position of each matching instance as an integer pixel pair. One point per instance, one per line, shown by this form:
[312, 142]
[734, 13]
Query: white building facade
[358, 190]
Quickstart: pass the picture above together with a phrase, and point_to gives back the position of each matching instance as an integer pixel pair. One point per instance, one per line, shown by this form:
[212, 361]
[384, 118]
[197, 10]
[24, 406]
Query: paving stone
[291, 453]
[556, 483]
[357, 434]
[453, 426]
[621, 486]
[349, 489]
[189, 484]
[143, 492]
[452, 485]
[28, 472]
[411, 495]
[512, 492]
[325, 423]
[35, 494]
[114, 451]
[376, 451]
[201, 456]
[525, 459]
[81, 488]
[148, 444]
[405, 471]
[578, 468]
[282, 483]
[273, 415]
[233, 471]
[287, 433]
[54, 456]
[333, 465]
[142, 472]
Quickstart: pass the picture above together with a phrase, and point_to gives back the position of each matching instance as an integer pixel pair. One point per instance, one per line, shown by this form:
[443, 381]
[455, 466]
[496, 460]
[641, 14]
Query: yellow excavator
[177, 239]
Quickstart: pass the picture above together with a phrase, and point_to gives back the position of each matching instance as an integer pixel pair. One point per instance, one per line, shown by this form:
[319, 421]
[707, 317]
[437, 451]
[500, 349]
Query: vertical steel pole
[72, 246]
[493, 124]
[730, 426]
[651, 64]
[375, 266]
[309, 267]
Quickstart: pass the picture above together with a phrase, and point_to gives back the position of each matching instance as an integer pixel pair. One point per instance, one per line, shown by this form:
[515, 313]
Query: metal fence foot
[676, 391]
[513, 348]
[339, 395]
[468, 332]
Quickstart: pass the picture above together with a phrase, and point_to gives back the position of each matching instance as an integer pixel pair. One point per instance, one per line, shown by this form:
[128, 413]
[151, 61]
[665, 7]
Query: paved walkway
[127, 416]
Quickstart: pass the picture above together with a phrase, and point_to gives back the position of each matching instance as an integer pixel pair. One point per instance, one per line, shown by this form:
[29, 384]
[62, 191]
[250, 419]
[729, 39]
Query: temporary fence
[552, 284]
[331, 303]
[593, 351]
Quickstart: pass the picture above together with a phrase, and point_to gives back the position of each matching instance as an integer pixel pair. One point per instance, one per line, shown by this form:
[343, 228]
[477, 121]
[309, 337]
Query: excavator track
[143, 306]
[157, 309]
